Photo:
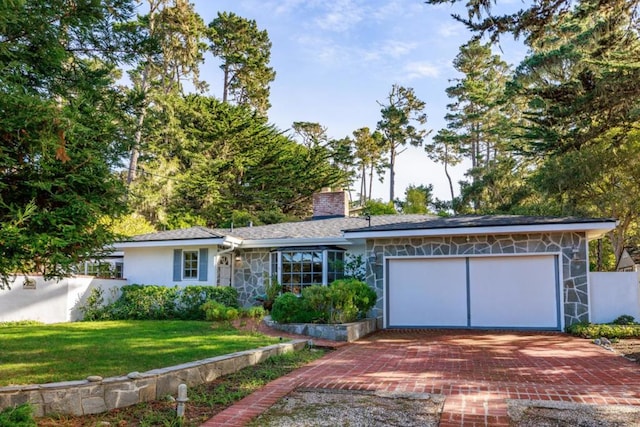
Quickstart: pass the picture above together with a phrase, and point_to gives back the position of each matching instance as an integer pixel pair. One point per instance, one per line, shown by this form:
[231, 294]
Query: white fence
[612, 295]
[50, 301]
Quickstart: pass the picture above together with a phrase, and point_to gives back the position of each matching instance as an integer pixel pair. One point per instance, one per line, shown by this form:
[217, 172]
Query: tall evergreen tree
[245, 52]
[402, 118]
[60, 126]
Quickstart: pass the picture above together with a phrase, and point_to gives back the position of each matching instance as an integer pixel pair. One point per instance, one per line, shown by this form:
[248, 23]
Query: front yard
[37, 354]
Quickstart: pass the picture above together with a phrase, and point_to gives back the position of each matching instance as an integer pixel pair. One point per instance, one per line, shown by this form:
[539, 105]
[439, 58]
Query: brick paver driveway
[476, 371]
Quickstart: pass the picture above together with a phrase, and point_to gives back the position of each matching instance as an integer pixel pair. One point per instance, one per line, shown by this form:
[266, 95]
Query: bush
[625, 319]
[289, 308]
[256, 313]
[18, 416]
[343, 301]
[151, 302]
[218, 312]
[590, 330]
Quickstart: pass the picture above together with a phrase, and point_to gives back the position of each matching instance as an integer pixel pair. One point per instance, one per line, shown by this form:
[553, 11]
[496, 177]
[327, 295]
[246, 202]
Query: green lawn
[39, 354]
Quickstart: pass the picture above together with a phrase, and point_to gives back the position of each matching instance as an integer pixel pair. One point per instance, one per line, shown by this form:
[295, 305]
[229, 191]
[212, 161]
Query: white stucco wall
[50, 301]
[154, 266]
[612, 295]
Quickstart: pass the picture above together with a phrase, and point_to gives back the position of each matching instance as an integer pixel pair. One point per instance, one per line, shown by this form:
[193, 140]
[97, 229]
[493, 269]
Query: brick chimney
[330, 204]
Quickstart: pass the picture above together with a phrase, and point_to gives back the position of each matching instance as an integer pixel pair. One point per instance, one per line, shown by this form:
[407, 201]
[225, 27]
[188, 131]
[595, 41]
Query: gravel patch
[544, 413]
[321, 407]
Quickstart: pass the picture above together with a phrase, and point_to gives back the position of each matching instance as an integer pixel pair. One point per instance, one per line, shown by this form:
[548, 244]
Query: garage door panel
[518, 292]
[429, 292]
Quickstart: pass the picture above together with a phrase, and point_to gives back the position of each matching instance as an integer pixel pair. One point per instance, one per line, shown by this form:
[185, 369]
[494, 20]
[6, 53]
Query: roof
[318, 228]
[341, 231]
[182, 234]
[467, 221]
[486, 224]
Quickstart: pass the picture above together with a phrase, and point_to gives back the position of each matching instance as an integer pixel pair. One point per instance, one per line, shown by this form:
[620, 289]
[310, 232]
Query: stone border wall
[340, 332]
[95, 395]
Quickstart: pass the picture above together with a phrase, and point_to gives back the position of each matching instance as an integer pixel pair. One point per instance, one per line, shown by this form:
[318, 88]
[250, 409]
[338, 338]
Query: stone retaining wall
[95, 395]
[341, 332]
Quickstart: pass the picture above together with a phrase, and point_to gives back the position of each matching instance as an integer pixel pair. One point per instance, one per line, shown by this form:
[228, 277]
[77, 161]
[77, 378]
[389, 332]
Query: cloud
[451, 29]
[419, 70]
[340, 16]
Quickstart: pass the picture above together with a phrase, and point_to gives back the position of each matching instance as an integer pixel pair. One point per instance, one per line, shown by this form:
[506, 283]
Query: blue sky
[336, 59]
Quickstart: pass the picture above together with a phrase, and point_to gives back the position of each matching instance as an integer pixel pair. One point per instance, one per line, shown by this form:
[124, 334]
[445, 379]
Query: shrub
[18, 416]
[355, 296]
[625, 319]
[151, 302]
[256, 313]
[289, 308]
[590, 330]
[191, 298]
[94, 309]
[218, 312]
[271, 291]
[343, 301]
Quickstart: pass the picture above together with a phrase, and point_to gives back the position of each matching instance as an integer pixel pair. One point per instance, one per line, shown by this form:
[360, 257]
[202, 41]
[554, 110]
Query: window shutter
[177, 265]
[203, 264]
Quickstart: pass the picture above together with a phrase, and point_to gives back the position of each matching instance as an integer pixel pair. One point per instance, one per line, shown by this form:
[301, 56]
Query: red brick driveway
[476, 371]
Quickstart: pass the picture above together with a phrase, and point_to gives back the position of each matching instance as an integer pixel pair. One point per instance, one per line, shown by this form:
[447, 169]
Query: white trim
[293, 241]
[165, 243]
[596, 229]
[198, 261]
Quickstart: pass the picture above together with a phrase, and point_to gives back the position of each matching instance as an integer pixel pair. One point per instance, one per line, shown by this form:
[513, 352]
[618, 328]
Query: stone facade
[572, 246]
[95, 395]
[250, 274]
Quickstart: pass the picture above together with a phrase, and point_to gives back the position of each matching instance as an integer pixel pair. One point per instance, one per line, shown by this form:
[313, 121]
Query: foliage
[369, 159]
[129, 225]
[245, 52]
[289, 308]
[402, 116]
[625, 319]
[378, 207]
[60, 128]
[18, 416]
[271, 291]
[345, 300]
[256, 313]
[417, 199]
[354, 267]
[78, 349]
[590, 330]
[230, 163]
[217, 312]
[149, 302]
[20, 323]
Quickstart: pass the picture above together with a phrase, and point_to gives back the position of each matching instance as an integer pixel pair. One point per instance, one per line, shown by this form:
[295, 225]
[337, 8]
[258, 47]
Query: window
[300, 267]
[190, 265]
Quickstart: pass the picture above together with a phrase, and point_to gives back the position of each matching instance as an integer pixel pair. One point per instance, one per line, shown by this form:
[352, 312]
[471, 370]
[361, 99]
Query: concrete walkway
[476, 371]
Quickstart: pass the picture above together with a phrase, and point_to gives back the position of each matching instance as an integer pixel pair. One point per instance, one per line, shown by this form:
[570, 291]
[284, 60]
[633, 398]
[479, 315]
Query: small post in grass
[182, 399]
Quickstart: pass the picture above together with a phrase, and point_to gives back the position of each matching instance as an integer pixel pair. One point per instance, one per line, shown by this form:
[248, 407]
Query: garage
[519, 292]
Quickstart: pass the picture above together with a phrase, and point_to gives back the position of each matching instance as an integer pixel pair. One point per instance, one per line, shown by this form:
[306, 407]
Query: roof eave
[593, 230]
[175, 242]
[293, 241]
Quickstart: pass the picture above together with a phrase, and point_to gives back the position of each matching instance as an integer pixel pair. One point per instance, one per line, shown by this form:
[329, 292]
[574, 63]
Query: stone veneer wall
[250, 273]
[96, 395]
[574, 266]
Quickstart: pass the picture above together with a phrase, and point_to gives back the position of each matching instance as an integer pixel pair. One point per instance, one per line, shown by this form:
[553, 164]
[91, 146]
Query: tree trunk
[225, 86]
[392, 173]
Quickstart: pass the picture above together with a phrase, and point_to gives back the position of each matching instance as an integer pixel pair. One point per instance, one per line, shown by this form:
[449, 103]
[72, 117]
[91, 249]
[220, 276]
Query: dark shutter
[203, 264]
[177, 265]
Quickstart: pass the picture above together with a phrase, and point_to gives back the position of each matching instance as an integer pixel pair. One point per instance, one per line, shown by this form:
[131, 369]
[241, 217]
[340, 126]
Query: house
[629, 260]
[465, 272]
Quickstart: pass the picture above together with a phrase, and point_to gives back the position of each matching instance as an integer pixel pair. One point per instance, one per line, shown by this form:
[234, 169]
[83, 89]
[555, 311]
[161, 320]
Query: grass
[204, 402]
[37, 354]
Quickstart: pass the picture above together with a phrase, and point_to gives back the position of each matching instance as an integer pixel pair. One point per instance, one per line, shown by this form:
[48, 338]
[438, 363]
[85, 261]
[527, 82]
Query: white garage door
[493, 292]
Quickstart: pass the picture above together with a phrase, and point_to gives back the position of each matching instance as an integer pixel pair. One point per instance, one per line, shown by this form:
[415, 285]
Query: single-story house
[629, 260]
[466, 272]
